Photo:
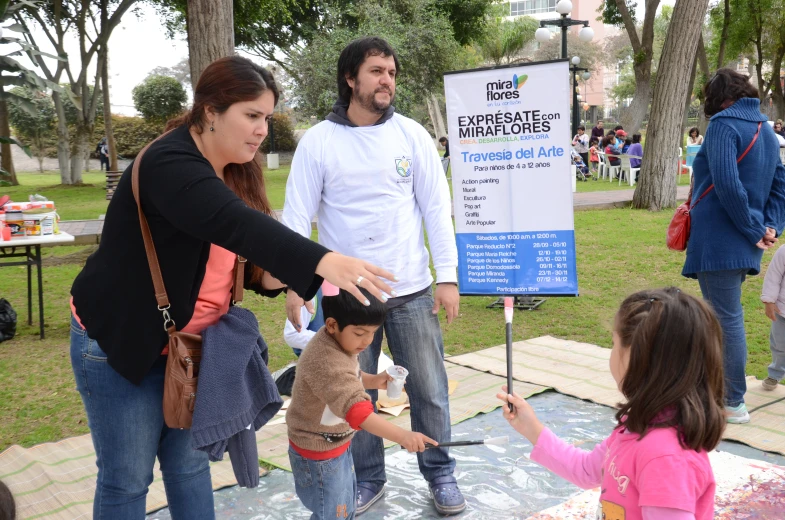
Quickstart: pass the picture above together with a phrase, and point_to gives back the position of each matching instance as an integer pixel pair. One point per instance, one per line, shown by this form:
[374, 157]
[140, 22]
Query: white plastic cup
[395, 386]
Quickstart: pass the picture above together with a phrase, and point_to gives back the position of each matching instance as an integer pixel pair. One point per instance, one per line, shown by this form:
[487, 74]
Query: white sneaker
[737, 414]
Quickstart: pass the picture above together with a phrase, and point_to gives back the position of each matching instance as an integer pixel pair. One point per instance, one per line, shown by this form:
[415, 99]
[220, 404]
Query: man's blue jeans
[722, 289]
[326, 487]
[127, 425]
[415, 342]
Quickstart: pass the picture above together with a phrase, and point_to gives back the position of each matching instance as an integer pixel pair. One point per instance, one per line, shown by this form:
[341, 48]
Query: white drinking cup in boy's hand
[394, 387]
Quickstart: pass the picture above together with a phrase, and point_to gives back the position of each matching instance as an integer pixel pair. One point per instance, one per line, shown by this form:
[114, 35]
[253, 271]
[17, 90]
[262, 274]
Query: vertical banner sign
[509, 131]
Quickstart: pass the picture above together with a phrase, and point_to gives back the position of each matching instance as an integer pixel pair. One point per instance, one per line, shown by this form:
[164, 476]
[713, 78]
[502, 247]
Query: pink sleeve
[665, 513]
[670, 481]
[582, 468]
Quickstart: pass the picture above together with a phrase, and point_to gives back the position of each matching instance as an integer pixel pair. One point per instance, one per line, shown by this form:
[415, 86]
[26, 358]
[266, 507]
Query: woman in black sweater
[202, 192]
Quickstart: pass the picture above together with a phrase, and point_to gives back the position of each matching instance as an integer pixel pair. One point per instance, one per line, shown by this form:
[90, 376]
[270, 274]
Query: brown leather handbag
[185, 349]
[679, 228]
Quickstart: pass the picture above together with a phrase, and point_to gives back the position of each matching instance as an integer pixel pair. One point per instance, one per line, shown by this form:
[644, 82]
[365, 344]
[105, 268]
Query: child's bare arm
[375, 382]
[412, 441]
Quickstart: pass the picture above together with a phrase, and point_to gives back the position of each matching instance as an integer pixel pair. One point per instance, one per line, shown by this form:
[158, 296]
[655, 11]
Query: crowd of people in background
[614, 143]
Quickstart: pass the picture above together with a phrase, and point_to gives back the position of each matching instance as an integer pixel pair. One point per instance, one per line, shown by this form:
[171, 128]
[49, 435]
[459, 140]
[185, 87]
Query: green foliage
[32, 129]
[159, 98]
[131, 134]
[505, 39]
[421, 36]
[284, 134]
[612, 16]
[72, 111]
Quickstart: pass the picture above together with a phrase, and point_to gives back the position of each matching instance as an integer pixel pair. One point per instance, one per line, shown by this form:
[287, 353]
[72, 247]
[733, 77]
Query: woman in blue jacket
[740, 213]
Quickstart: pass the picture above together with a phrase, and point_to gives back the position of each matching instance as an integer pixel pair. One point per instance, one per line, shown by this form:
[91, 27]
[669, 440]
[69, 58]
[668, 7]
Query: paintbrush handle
[451, 444]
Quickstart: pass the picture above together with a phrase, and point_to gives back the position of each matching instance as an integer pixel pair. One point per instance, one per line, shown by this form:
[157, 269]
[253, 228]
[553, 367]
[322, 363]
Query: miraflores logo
[498, 90]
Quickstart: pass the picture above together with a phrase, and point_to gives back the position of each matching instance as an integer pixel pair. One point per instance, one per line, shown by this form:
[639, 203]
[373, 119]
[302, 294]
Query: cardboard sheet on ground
[581, 370]
[745, 489]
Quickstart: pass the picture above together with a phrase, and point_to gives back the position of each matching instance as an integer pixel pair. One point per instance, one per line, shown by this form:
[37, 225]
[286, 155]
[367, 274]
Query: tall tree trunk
[688, 101]
[7, 161]
[657, 186]
[210, 25]
[63, 151]
[103, 56]
[435, 113]
[643, 50]
[108, 113]
[78, 150]
[724, 37]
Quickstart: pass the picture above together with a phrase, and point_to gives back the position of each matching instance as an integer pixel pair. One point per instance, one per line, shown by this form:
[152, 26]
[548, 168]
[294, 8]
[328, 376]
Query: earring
[211, 127]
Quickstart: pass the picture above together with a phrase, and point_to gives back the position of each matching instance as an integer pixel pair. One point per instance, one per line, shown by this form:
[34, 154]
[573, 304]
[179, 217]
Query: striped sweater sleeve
[722, 152]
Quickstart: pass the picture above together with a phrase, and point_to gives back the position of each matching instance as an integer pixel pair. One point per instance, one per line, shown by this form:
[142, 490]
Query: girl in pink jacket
[667, 362]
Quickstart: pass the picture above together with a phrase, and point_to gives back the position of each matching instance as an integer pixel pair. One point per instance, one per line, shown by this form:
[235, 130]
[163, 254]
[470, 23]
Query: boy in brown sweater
[329, 404]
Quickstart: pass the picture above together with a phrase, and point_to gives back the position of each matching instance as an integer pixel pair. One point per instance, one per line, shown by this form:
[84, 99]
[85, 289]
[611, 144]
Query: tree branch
[724, 36]
[629, 24]
[703, 61]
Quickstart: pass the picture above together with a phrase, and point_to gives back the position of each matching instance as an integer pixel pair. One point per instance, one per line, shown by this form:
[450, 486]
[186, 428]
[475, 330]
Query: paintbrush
[496, 441]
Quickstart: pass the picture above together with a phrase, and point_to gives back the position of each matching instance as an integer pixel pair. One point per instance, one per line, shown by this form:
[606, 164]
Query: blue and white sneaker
[737, 414]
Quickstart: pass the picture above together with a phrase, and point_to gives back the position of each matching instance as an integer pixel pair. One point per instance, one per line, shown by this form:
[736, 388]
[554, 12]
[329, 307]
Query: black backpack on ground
[7, 320]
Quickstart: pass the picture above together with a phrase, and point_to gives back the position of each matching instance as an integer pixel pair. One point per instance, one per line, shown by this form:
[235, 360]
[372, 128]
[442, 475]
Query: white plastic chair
[601, 165]
[613, 171]
[632, 173]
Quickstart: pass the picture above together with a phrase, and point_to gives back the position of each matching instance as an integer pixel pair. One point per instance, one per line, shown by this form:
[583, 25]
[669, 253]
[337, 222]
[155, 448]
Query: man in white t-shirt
[373, 176]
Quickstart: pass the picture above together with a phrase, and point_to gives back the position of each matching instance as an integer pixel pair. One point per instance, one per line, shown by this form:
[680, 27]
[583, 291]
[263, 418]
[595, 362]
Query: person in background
[694, 136]
[310, 313]
[580, 142]
[102, 151]
[617, 128]
[667, 363]
[778, 129]
[773, 296]
[598, 132]
[741, 215]
[594, 159]
[609, 147]
[626, 146]
[446, 157]
[636, 148]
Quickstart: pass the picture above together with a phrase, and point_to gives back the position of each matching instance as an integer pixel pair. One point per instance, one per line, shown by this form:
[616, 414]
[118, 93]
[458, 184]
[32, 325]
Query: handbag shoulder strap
[742, 156]
[161, 297]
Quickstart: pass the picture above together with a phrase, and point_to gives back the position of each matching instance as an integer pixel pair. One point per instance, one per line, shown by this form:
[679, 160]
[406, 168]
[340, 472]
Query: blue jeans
[326, 487]
[777, 346]
[415, 342]
[127, 426]
[722, 289]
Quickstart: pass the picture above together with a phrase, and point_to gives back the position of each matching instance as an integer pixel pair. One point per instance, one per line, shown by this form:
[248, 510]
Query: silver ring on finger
[359, 280]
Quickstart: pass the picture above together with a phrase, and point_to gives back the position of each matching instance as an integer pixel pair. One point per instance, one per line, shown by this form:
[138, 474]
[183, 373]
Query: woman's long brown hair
[224, 82]
[675, 365]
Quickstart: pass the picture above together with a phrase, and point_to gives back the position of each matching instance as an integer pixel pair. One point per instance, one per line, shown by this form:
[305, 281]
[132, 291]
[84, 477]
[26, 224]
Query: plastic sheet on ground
[499, 482]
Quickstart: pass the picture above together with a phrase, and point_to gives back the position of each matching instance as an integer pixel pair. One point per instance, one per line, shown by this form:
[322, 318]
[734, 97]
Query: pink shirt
[653, 477]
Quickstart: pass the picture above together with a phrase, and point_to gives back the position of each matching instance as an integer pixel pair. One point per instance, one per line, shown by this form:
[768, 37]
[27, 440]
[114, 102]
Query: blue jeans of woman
[415, 342]
[127, 426]
[722, 289]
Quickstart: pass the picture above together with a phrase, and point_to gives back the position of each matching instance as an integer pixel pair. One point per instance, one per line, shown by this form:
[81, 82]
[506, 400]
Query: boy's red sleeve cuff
[358, 413]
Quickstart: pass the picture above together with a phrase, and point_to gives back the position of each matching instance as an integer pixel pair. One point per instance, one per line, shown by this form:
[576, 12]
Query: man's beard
[369, 102]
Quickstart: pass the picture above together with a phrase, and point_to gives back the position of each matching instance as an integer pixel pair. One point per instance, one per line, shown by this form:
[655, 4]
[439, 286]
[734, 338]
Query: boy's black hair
[354, 54]
[618, 127]
[7, 504]
[593, 140]
[346, 310]
[581, 127]
[442, 139]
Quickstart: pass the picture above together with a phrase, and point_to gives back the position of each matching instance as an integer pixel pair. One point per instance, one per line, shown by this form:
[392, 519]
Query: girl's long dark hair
[224, 82]
[675, 376]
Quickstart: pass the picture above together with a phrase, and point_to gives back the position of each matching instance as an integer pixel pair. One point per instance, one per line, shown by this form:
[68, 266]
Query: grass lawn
[619, 251]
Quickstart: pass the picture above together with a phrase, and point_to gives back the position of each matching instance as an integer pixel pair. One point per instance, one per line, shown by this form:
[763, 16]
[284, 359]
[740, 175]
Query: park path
[89, 231]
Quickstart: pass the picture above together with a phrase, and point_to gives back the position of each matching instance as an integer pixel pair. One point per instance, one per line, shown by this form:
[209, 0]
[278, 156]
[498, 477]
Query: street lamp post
[543, 34]
[576, 60]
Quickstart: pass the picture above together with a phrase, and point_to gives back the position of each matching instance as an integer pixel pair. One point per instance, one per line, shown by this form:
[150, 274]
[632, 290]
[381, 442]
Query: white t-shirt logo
[403, 166]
